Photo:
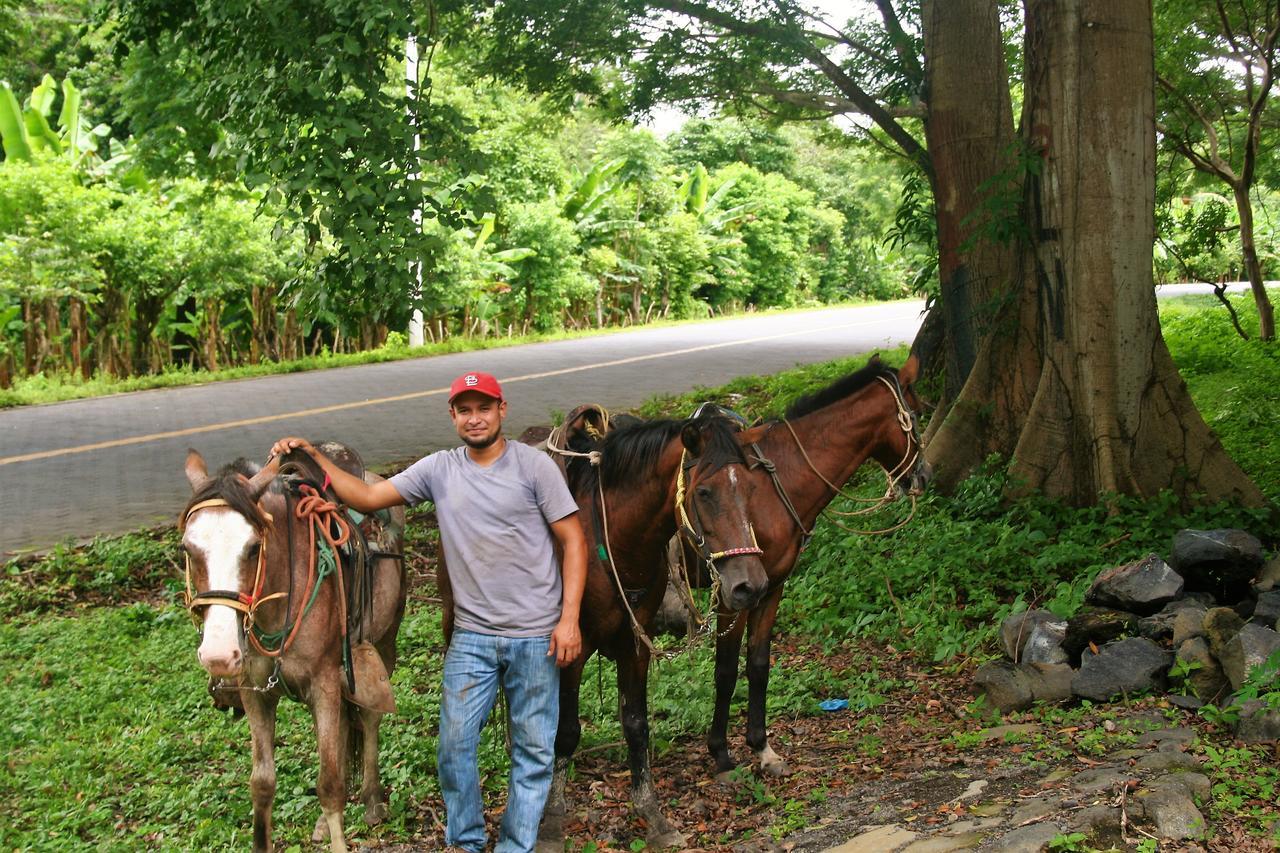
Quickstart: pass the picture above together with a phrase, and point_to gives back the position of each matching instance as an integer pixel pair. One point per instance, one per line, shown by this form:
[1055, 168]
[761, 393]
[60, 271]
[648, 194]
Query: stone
[1220, 625]
[1267, 611]
[1044, 646]
[1247, 649]
[1006, 685]
[1258, 723]
[1220, 561]
[1181, 736]
[1098, 779]
[1141, 587]
[1097, 626]
[949, 843]
[1095, 818]
[1016, 629]
[1188, 622]
[1268, 576]
[1194, 785]
[1206, 679]
[1135, 665]
[1050, 682]
[1174, 814]
[876, 840]
[1166, 761]
[1186, 703]
[1001, 733]
[1028, 839]
[1036, 808]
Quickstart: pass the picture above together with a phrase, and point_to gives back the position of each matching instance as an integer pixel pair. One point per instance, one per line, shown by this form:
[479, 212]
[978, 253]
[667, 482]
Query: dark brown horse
[653, 478]
[272, 623]
[823, 439]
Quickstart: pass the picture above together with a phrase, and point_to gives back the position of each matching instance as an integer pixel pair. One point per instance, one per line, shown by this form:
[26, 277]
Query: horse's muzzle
[743, 590]
[221, 650]
[920, 478]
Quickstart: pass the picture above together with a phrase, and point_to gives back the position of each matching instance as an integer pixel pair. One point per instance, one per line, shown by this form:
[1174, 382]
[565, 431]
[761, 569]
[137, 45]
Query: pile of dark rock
[1195, 625]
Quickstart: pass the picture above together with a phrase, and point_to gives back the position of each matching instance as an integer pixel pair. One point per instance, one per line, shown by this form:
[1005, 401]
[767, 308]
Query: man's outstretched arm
[350, 489]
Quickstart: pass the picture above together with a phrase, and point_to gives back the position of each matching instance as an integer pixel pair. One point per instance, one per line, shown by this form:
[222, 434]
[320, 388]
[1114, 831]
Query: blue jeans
[474, 667]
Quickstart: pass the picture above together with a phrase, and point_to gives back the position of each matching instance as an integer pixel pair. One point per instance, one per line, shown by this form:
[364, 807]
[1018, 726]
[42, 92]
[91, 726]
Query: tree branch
[1213, 162]
[847, 86]
[835, 105]
[898, 36]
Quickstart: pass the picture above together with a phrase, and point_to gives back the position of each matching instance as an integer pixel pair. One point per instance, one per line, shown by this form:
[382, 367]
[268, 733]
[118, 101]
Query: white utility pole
[411, 98]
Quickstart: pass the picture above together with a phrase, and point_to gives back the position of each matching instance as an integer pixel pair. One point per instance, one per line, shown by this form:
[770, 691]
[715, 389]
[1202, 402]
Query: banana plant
[716, 223]
[25, 132]
[496, 265]
[584, 204]
[691, 196]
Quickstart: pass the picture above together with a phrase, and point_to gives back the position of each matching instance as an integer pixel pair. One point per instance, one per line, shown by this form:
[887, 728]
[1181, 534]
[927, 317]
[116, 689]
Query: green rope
[326, 564]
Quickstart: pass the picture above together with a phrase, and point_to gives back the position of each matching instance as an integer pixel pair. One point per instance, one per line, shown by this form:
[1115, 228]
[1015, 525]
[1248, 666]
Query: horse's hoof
[777, 768]
[376, 814]
[772, 763]
[668, 838]
[321, 832]
[728, 778]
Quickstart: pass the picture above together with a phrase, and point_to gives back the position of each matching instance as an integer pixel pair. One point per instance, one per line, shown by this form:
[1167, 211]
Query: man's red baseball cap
[476, 381]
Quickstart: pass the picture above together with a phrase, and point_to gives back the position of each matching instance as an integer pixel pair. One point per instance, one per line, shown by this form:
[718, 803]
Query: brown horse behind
[796, 465]
[272, 623]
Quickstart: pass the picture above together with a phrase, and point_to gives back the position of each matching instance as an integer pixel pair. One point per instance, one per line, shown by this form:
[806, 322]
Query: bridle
[907, 422]
[691, 528]
[245, 603]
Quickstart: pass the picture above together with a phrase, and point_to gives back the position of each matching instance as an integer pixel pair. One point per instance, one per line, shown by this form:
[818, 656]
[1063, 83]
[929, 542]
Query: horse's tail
[355, 743]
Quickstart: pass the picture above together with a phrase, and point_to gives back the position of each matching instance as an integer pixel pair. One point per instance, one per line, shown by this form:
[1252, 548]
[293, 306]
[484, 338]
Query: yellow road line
[177, 433]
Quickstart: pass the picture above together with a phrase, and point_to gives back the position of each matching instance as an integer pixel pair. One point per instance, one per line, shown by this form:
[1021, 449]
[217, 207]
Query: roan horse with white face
[280, 615]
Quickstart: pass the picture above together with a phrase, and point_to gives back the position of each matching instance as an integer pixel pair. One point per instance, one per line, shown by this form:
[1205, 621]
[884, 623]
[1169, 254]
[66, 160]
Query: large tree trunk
[1074, 382]
[970, 135]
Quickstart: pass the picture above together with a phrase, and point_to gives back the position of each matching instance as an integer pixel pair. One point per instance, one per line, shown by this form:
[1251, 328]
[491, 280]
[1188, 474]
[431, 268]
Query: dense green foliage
[564, 223]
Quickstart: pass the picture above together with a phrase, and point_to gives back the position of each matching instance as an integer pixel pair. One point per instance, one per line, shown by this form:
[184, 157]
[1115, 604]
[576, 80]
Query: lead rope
[636, 628]
[322, 515]
[898, 472]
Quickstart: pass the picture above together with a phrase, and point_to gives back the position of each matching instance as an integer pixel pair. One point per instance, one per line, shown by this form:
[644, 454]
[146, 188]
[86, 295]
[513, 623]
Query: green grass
[52, 388]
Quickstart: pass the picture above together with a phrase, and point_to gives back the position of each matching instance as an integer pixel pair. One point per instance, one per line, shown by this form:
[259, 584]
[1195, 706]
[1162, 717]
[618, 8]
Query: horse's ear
[259, 482]
[910, 371]
[691, 436]
[197, 471]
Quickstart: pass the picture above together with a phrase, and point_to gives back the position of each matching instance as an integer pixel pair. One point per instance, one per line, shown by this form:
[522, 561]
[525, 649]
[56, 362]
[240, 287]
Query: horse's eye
[254, 549]
[703, 492]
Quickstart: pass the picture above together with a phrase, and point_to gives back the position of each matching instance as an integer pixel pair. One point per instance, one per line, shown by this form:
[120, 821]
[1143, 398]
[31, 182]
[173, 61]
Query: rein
[906, 422]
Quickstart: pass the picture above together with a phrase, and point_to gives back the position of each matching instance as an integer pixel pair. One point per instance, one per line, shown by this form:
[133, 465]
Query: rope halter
[691, 526]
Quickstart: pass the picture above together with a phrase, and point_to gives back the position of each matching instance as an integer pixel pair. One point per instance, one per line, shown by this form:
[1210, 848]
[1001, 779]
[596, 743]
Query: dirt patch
[923, 765]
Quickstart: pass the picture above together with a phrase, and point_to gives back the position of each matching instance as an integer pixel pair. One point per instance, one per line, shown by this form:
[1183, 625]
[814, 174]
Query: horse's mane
[843, 387]
[231, 485]
[629, 452]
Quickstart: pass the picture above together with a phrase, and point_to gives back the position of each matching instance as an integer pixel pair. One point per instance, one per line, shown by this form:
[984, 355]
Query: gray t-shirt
[494, 529]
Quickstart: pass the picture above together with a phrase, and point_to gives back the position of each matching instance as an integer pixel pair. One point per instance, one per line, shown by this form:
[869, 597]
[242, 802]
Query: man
[501, 507]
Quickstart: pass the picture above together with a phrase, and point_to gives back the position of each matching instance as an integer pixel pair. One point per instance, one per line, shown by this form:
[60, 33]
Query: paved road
[107, 465]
